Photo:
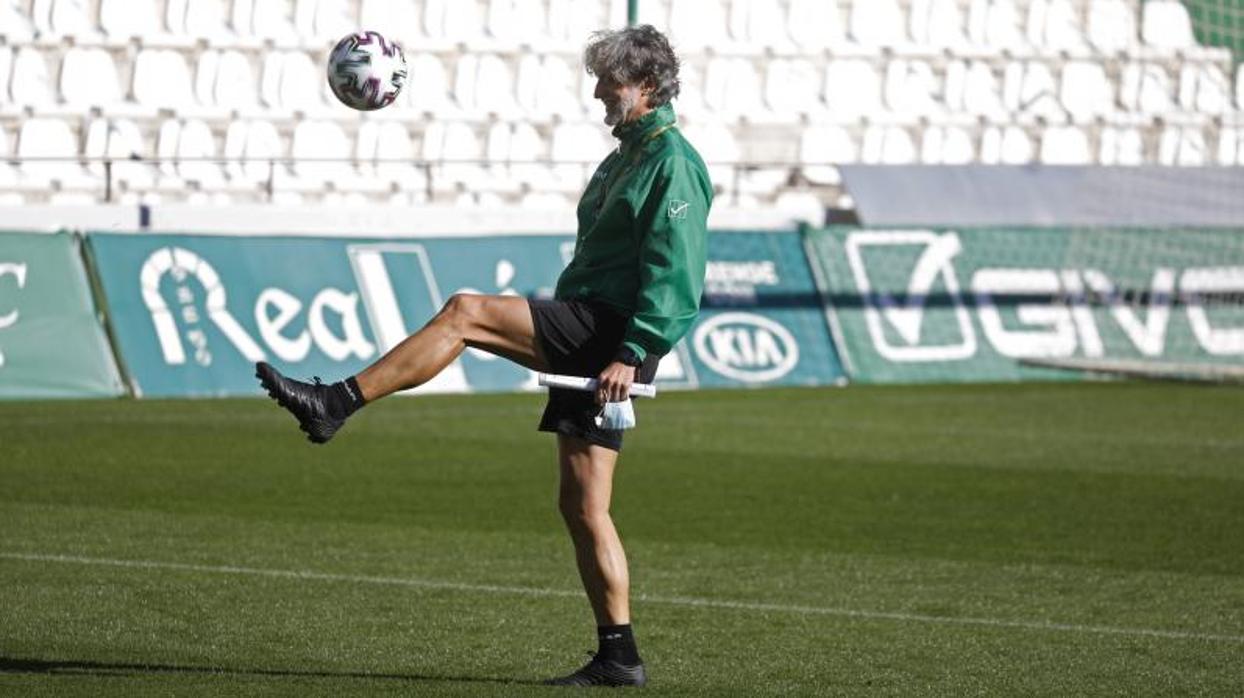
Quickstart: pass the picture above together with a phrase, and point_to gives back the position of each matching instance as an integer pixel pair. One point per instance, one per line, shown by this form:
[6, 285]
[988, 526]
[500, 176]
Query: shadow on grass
[11, 665]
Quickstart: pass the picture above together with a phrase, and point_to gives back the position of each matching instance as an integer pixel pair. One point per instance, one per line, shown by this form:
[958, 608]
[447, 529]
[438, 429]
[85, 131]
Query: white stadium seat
[852, 88]
[162, 80]
[946, 145]
[234, 86]
[192, 146]
[6, 70]
[1111, 25]
[878, 22]
[1065, 145]
[1030, 90]
[759, 23]
[515, 21]
[732, 88]
[199, 19]
[815, 25]
[398, 19]
[125, 19]
[1005, 145]
[1146, 89]
[314, 142]
[1086, 93]
[1204, 88]
[269, 19]
[428, 72]
[695, 24]
[15, 24]
[527, 150]
[1239, 87]
[31, 85]
[323, 22]
[1166, 24]
[912, 87]
[1230, 146]
[387, 152]
[1121, 146]
[793, 87]
[49, 138]
[455, 20]
[1054, 25]
[822, 147]
[65, 18]
[453, 141]
[937, 23]
[8, 173]
[572, 147]
[248, 147]
[996, 23]
[122, 142]
[88, 78]
[974, 89]
[888, 145]
[1182, 146]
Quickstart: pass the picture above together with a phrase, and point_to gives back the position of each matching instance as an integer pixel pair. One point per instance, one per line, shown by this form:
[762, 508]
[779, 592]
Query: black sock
[617, 643]
[345, 398]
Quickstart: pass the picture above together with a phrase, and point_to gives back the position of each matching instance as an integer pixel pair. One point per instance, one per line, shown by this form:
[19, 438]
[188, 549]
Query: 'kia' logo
[746, 347]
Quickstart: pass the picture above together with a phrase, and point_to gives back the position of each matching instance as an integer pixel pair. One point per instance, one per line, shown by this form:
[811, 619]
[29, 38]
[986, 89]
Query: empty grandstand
[218, 101]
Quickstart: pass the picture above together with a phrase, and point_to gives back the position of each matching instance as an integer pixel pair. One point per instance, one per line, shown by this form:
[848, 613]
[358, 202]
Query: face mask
[616, 415]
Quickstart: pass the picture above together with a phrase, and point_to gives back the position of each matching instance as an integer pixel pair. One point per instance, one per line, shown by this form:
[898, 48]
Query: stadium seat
[515, 21]
[192, 147]
[428, 72]
[50, 138]
[456, 150]
[269, 19]
[695, 24]
[15, 24]
[1239, 87]
[162, 80]
[1121, 146]
[946, 145]
[1231, 146]
[234, 85]
[485, 86]
[1005, 145]
[1086, 93]
[877, 23]
[1165, 24]
[200, 19]
[998, 24]
[454, 20]
[573, 150]
[317, 141]
[1065, 145]
[972, 88]
[122, 142]
[1111, 26]
[31, 85]
[792, 88]
[760, 24]
[1031, 91]
[386, 151]
[912, 88]
[1054, 25]
[88, 78]
[804, 206]
[887, 145]
[937, 23]
[8, 172]
[249, 147]
[732, 88]
[852, 88]
[527, 151]
[822, 147]
[323, 22]
[1204, 88]
[570, 21]
[1145, 88]
[400, 18]
[1182, 146]
[122, 20]
[65, 18]
[6, 70]
[815, 25]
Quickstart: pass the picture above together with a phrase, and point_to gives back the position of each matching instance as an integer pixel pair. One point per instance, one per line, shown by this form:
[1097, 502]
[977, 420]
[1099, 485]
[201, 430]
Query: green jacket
[643, 233]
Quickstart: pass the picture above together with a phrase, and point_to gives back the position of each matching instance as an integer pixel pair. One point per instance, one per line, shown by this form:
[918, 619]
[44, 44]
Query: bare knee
[462, 311]
[580, 515]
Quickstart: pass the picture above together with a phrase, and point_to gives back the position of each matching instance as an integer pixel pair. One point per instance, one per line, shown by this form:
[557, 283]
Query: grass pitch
[1017, 539]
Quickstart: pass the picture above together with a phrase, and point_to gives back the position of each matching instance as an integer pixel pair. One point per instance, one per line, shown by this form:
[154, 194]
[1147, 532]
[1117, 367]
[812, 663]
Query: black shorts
[581, 338]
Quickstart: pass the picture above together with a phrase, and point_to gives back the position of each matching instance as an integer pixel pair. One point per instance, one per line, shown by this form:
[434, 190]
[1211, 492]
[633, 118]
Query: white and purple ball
[366, 71]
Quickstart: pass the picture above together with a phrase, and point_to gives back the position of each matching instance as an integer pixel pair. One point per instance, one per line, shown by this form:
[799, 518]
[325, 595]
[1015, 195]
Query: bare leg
[586, 489]
[498, 324]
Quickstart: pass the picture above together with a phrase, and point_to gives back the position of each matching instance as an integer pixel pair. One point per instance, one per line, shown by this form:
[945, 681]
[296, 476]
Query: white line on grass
[668, 600]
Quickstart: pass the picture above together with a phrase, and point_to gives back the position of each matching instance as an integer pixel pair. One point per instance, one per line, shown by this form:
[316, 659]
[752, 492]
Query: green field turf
[973, 540]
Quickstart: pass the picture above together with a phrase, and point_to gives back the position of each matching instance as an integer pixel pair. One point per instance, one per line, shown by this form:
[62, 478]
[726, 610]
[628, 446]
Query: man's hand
[615, 383]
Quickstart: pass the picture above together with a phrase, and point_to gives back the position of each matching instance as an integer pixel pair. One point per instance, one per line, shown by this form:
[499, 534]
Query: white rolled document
[553, 380]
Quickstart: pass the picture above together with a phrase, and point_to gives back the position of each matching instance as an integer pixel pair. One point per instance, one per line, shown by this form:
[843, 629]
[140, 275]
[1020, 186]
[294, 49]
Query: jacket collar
[640, 128]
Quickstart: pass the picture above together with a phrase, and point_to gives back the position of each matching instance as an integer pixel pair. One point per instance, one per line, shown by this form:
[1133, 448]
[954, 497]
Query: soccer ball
[366, 71]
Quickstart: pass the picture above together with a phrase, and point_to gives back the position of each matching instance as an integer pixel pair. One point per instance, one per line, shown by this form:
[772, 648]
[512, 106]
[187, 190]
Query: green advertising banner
[51, 342]
[911, 305]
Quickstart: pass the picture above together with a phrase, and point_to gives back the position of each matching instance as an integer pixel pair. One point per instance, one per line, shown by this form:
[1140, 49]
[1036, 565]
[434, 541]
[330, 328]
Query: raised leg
[498, 324]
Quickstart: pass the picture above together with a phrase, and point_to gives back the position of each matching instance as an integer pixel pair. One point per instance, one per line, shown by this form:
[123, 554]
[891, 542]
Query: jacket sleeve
[672, 227]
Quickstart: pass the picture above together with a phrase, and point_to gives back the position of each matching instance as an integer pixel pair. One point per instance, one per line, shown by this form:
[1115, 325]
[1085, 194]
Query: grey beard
[615, 115]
